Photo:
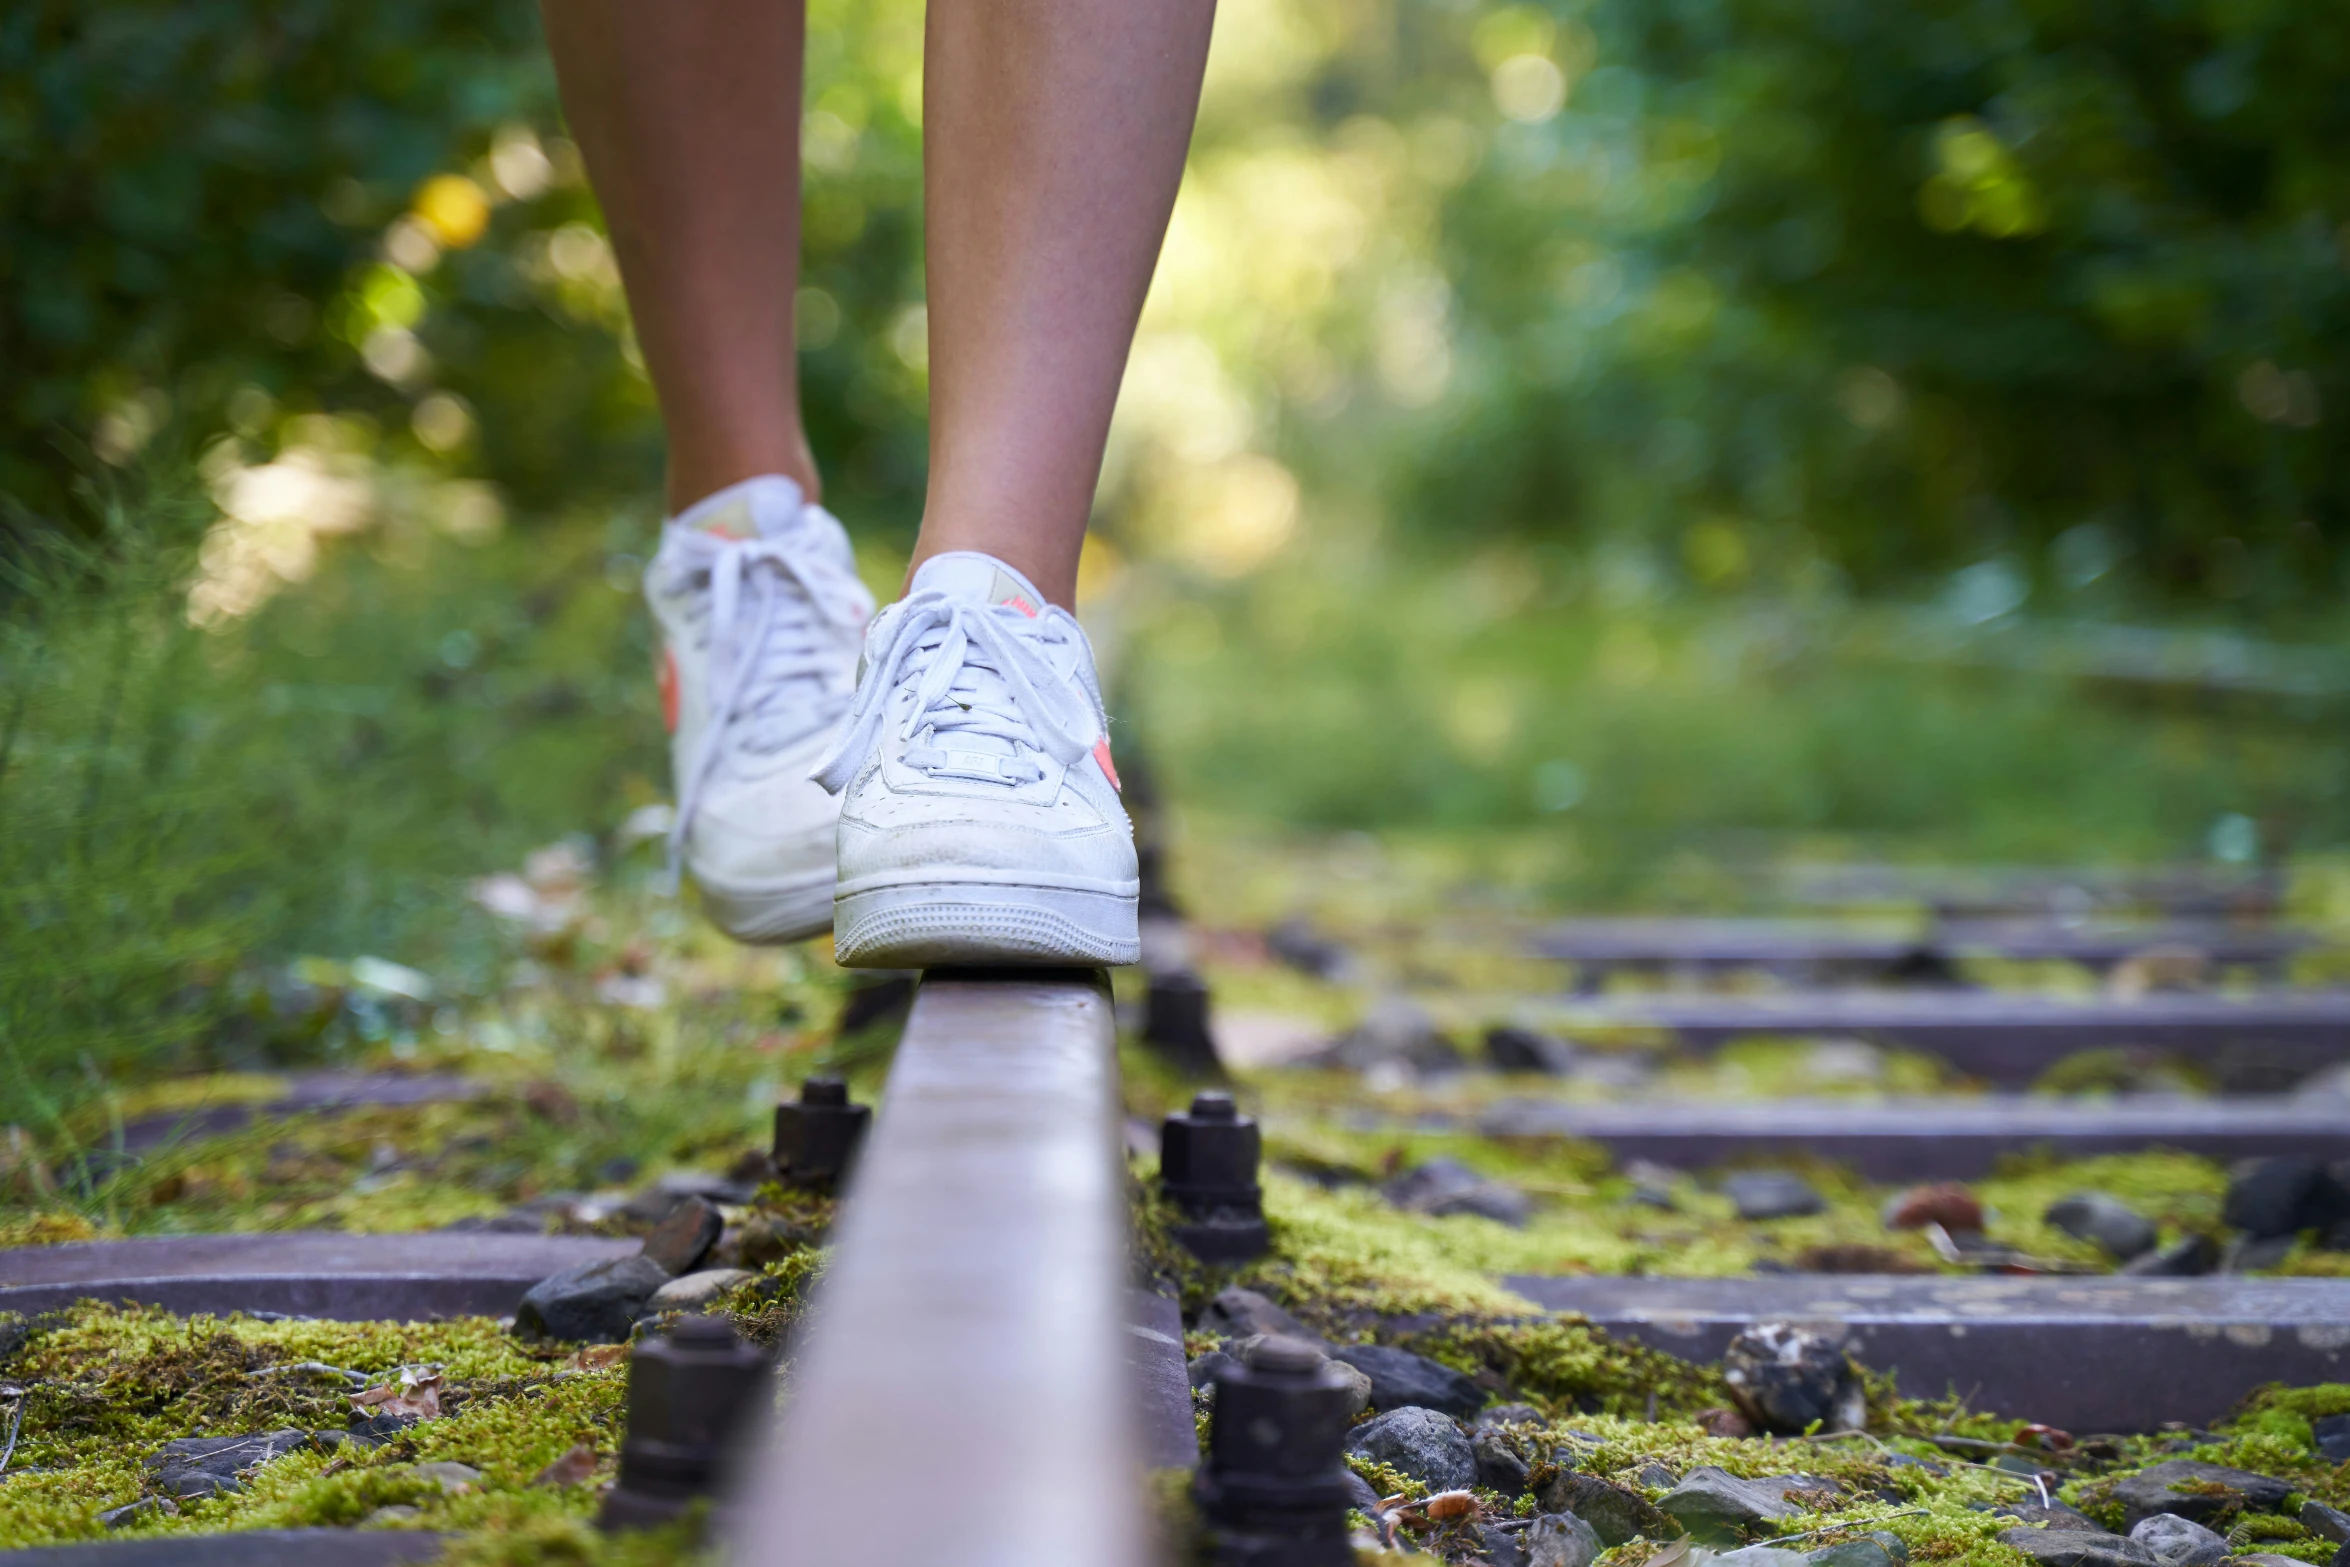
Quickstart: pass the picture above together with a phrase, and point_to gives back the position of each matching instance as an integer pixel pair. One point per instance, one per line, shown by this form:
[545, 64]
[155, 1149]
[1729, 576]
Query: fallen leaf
[598, 1357]
[1724, 1423]
[1450, 1504]
[2047, 1438]
[573, 1467]
[416, 1396]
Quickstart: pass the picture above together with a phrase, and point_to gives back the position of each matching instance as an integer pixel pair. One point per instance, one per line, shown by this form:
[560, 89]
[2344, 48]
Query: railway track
[980, 1297]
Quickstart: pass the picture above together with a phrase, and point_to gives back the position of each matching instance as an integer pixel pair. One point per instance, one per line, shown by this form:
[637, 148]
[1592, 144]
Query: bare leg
[688, 112]
[1053, 140]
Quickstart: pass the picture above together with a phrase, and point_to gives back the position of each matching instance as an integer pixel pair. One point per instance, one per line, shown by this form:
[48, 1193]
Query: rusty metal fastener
[816, 1139]
[1274, 1488]
[688, 1392]
[1208, 1169]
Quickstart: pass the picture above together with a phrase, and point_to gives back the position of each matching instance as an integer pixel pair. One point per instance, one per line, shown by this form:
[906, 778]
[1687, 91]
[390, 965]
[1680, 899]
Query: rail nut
[1274, 1489]
[1208, 1169]
[816, 1139]
[688, 1393]
[1175, 1022]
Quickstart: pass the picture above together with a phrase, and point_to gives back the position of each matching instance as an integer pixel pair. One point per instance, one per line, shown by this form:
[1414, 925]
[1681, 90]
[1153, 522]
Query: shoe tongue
[978, 579]
[756, 508]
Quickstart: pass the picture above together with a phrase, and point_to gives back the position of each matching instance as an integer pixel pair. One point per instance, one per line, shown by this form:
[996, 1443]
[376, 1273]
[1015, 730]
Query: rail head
[972, 1310]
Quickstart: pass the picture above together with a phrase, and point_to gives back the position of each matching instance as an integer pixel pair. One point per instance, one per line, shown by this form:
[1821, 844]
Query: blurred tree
[1910, 286]
[219, 216]
[186, 186]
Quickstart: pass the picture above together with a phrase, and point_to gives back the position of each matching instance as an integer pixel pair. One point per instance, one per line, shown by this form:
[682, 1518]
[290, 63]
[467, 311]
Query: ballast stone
[2078, 1548]
[1401, 1379]
[1878, 1548]
[212, 1465]
[1716, 1506]
[1562, 1540]
[1772, 1194]
[2110, 1224]
[684, 1236]
[693, 1291]
[2217, 1490]
[1787, 1379]
[2179, 1542]
[1617, 1513]
[595, 1301]
[1421, 1443]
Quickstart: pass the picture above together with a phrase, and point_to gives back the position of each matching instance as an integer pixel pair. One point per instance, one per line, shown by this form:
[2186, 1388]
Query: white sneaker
[979, 816]
[761, 613]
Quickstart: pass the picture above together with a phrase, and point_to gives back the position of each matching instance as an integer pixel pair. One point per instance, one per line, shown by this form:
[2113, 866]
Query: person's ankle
[689, 484]
[1056, 580]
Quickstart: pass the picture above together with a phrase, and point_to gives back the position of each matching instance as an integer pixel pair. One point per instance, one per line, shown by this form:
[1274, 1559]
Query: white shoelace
[986, 687]
[776, 671]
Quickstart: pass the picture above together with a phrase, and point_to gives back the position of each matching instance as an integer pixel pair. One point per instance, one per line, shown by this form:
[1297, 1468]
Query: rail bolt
[1175, 1022]
[687, 1393]
[816, 1139]
[1208, 1169]
[1274, 1489]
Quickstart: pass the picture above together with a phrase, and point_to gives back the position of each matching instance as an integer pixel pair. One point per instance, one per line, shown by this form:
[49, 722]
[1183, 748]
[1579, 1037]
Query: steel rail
[975, 1305]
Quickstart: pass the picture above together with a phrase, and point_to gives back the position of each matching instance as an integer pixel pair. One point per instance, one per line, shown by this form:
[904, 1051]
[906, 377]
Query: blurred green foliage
[1779, 292]
[186, 186]
[1901, 287]
[1629, 742]
[183, 811]
[220, 216]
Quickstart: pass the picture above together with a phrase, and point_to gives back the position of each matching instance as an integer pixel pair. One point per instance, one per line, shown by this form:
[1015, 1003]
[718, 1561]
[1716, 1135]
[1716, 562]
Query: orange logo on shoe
[1101, 754]
[1021, 604]
[732, 521]
[667, 677]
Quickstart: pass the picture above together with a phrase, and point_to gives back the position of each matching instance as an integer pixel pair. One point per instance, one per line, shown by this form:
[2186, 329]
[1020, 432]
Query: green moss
[109, 1386]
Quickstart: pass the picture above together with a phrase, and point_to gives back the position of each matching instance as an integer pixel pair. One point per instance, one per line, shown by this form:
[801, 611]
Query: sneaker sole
[944, 924]
[770, 916]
